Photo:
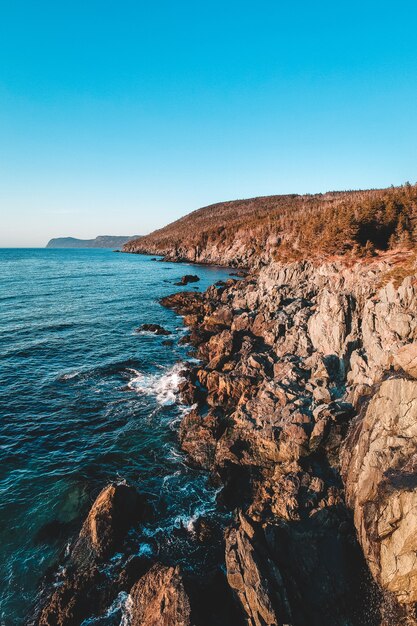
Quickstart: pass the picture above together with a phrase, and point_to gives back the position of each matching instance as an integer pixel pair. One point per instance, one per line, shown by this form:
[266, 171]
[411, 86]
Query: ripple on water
[84, 403]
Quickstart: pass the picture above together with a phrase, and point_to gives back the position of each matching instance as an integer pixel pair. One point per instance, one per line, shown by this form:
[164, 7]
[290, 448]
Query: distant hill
[102, 241]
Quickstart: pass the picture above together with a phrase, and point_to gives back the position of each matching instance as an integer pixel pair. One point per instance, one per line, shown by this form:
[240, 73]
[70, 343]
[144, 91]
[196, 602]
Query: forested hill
[245, 232]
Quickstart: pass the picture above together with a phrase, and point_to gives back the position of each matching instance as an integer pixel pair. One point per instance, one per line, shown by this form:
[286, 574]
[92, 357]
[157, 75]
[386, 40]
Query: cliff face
[291, 358]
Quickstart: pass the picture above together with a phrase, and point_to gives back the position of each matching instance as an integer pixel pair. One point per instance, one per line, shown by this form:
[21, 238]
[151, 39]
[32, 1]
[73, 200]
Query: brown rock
[188, 278]
[406, 359]
[198, 437]
[379, 465]
[115, 510]
[254, 577]
[220, 318]
[156, 329]
[74, 600]
[159, 599]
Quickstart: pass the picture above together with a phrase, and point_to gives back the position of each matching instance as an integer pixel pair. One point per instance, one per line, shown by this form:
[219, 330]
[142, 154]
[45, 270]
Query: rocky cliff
[306, 413]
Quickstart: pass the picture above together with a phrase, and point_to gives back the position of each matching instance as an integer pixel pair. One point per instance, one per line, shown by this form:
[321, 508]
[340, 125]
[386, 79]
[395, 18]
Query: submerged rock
[188, 278]
[153, 328]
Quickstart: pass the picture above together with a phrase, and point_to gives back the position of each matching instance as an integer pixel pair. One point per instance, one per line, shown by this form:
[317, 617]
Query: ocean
[86, 400]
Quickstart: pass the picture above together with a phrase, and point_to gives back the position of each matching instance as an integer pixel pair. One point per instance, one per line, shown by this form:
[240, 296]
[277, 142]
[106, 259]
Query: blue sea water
[84, 400]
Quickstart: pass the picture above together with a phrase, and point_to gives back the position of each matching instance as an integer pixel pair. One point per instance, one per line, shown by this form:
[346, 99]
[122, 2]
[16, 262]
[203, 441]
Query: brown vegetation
[293, 226]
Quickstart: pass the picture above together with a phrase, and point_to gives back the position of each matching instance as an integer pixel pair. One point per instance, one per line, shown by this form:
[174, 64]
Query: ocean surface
[84, 400]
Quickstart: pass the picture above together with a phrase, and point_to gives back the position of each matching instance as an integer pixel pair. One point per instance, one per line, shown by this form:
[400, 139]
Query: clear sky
[118, 117]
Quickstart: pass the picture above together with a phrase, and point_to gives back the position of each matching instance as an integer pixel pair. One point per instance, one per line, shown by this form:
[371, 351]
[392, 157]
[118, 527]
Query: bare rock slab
[159, 599]
[379, 467]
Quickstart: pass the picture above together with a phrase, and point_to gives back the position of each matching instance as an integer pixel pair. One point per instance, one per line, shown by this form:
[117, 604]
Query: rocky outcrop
[380, 472]
[405, 359]
[83, 587]
[116, 509]
[159, 599]
[254, 577]
[289, 356]
[187, 278]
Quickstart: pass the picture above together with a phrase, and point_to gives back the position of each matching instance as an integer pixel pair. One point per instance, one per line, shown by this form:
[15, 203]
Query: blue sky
[118, 117]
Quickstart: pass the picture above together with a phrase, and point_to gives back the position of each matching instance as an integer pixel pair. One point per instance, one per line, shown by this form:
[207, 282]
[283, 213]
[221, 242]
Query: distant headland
[102, 241]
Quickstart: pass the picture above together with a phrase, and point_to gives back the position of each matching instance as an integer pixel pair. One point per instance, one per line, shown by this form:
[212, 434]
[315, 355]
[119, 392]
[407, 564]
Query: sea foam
[164, 387]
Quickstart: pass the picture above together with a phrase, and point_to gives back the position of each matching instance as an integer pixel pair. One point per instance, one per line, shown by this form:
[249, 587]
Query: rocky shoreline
[304, 410]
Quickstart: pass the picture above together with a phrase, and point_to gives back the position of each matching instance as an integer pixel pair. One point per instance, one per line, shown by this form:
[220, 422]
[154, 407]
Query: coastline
[288, 359]
[84, 590]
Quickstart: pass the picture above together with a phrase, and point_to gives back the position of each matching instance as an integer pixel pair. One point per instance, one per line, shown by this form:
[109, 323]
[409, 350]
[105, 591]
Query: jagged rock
[159, 599]
[220, 318]
[84, 588]
[219, 348]
[288, 357]
[198, 437]
[406, 359]
[379, 467]
[389, 321]
[254, 577]
[330, 325]
[114, 511]
[74, 600]
[188, 278]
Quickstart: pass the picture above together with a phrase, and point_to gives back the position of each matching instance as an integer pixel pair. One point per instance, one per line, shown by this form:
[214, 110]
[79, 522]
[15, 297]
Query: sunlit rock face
[380, 470]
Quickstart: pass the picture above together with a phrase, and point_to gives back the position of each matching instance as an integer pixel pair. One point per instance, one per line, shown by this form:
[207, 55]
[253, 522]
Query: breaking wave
[164, 387]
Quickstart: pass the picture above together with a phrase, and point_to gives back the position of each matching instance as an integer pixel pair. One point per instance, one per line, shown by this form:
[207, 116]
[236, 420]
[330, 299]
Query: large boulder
[115, 510]
[188, 278]
[159, 599]
[334, 323]
[84, 588]
[379, 466]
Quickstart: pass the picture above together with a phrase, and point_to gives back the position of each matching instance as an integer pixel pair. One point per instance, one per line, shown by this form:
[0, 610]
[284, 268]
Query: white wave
[127, 611]
[145, 549]
[70, 375]
[145, 333]
[163, 387]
